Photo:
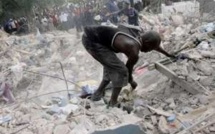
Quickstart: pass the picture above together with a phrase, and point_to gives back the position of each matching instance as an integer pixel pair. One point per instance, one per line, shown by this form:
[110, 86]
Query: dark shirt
[101, 34]
[131, 12]
[112, 7]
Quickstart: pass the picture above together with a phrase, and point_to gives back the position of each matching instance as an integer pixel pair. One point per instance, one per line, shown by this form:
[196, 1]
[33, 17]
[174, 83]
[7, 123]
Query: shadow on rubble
[127, 129]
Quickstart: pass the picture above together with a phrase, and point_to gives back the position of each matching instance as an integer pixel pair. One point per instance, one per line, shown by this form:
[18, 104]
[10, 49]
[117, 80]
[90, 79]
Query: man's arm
[132, 60]
[161, 50]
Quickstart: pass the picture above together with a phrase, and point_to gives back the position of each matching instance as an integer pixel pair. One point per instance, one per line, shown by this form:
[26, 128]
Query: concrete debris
[205, 67]
[54, 110]
[188, 8]
[177, 20]
[74, 100]
[31, 79]
[204, 46]
[208, 54]
[69, 109]
[162, 125]
[212, 129]
[159, 112]
[61, 129]
[154, 120]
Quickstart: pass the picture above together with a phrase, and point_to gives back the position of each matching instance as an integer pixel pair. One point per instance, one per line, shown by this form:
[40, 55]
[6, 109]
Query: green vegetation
[17, 8]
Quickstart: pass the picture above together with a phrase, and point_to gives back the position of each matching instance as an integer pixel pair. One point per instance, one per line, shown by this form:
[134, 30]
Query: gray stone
[206, 81]
[203, 99]
[205, 67]
[24, 109]
[54, 110]
[206, 131]
[169, 100]
[46, 116]
[100, 118]
[139, 102]
[149, 125]
[208, 54]
[154, 120]
[69, 108]
[194, 76]
[61, 129]
[27, 132]
[74, 100]
[212, 129]
[42, 122]
[162, 125]
[140, 111]
[26, 118]
[61, 101]
[193, 100]
[49, 128]
[172, 105]
[186, 110]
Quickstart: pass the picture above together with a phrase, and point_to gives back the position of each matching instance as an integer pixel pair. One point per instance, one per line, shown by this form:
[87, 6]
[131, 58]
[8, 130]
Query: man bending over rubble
[104, 42]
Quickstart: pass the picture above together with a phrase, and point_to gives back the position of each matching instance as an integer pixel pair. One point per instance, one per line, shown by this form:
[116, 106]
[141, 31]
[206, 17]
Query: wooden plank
[165, 61]
[170, 74]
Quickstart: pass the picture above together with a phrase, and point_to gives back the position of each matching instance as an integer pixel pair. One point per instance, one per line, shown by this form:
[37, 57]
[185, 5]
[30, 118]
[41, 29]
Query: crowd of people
[16, 25]
[91, 13]
[79, 15]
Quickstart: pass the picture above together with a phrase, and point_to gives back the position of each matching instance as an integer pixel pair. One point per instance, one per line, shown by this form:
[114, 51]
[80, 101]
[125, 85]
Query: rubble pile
[21, 56]
[33, 81]
[181, 111]
[76, 116]
[37, 98]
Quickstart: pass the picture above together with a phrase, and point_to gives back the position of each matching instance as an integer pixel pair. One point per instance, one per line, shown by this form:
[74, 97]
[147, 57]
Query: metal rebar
[67, 87]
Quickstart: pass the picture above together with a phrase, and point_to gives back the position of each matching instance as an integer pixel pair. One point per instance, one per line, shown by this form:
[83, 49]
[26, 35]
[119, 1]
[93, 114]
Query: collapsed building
[42, 76]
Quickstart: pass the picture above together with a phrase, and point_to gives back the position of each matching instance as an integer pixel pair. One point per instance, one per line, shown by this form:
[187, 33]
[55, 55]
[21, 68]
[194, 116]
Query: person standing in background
[113, 8]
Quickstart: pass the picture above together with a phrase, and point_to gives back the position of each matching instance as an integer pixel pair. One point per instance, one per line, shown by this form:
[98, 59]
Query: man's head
[150, 41]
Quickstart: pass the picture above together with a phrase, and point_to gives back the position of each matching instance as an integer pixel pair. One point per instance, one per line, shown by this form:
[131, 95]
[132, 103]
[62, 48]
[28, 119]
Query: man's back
[101, 34]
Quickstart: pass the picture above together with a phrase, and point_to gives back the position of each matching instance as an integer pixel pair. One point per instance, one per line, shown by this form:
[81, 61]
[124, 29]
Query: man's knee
[124, 71]
[121, 78]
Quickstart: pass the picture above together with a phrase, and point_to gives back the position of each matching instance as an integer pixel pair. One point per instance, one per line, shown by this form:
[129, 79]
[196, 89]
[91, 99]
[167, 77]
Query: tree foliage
[17, 8]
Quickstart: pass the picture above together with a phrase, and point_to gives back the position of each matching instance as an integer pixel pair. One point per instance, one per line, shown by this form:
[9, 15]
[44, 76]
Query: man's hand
[172, 56]
[133, 84]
